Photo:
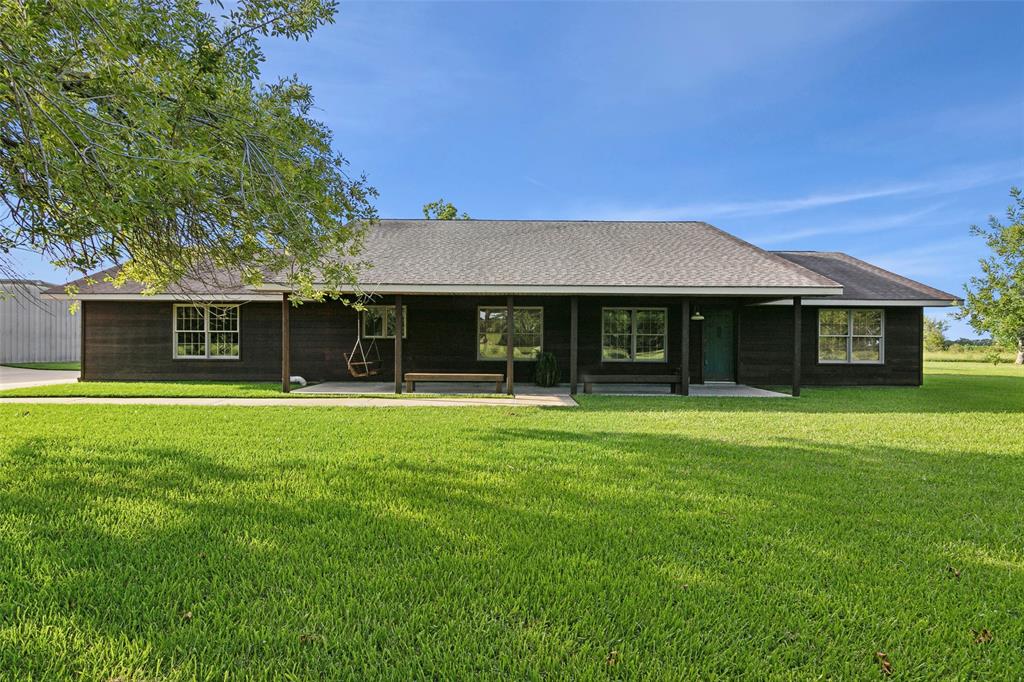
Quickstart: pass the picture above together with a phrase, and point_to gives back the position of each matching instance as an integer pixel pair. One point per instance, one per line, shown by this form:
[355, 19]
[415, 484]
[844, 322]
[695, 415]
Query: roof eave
[581, 290]
[875, 302]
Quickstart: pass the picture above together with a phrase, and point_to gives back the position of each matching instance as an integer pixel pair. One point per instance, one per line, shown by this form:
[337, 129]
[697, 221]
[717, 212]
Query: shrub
[547, 370]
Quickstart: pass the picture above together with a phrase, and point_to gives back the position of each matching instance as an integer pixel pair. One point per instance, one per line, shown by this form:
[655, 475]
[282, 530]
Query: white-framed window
[851, 335]
[634, 335]
[379, 322]
[492, 333]
[206, 331]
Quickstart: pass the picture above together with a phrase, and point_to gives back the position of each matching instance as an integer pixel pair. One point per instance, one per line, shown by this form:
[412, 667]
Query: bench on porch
[412, 377]
[590, 379]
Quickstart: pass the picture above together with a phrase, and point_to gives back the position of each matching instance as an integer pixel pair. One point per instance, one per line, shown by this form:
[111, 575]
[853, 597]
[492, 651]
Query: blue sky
[883, 129]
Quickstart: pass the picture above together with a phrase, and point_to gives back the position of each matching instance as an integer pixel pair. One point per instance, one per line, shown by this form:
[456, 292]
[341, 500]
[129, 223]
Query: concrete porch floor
[447, 388]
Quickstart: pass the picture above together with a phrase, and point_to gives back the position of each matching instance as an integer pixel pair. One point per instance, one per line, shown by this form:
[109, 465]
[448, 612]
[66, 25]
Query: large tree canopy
[139, 133]
[995, 300]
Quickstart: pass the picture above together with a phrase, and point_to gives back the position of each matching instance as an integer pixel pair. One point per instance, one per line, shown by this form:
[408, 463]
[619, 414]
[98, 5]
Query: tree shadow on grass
[533, 551]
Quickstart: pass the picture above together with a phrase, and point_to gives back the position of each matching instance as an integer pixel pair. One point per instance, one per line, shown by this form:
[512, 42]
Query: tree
[995, 300]
[442, 210]
[139, 134]
[935, 334]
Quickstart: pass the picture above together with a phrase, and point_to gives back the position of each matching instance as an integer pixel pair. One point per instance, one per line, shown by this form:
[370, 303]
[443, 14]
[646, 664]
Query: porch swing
[358, 362]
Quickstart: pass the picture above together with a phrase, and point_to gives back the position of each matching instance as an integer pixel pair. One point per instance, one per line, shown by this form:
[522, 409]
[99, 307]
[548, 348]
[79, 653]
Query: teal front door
[719, 354]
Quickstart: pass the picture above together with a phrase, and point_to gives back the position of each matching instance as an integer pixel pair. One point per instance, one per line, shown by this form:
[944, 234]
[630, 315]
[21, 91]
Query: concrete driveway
[11, 377]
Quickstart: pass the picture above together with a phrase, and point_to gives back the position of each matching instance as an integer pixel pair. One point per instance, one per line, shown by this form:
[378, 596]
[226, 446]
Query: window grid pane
[615, 347]
[190, 344]
[867, 348]
[832, 348]
[867, 323]
[190, 318]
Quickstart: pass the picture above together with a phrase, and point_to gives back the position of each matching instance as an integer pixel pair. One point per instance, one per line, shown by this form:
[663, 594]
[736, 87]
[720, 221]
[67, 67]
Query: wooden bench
[412, 377]
[590, 379]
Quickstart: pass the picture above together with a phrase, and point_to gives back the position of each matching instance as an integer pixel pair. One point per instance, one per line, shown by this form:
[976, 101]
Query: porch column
[286, 345]
[574, 319]
[399, 331]
[684, 356]
[511, 347]
[796, 345]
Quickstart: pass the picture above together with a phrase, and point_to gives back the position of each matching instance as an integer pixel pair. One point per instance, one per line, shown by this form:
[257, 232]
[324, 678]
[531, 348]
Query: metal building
[36, 329]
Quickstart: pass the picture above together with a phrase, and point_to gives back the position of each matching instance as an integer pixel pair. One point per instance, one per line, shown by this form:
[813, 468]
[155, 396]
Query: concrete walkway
[521, 401]
[526, 390]
[13, 377]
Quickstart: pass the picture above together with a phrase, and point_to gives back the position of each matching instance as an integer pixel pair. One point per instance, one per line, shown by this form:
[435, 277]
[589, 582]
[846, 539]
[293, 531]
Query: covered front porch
[633, 345]
[710, 390]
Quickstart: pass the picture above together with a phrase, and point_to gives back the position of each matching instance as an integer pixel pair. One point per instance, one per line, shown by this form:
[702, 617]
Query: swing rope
[356, 361]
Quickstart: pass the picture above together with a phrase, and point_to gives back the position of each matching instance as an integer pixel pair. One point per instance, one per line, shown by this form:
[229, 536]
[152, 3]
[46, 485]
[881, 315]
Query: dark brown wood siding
[765, 354]
[133, 341]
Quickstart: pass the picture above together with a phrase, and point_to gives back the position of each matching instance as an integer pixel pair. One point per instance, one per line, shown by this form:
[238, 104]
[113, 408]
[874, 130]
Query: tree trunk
[1020, 351]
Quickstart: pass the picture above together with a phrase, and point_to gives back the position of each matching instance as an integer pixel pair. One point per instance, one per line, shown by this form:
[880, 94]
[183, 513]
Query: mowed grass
[66, 366]
[657, 538]
[201, 389]
[150, 389]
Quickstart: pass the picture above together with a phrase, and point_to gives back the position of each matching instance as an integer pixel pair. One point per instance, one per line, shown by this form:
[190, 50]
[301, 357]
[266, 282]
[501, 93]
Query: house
[34, 329]
[611, 300]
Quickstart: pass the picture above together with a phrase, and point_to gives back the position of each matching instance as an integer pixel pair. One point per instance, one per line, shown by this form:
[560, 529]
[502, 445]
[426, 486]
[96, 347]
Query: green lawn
[631, 538]
[199, 389]
[148, 389]
[67, 366]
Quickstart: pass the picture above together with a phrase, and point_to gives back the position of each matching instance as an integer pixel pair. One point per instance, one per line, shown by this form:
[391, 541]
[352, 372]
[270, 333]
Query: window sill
[851, 362]
[634, 362]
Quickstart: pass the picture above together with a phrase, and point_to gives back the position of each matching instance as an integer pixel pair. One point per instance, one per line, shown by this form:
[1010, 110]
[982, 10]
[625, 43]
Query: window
[206, 332]
[850, 335]
[634, 335]
[379, 322]
[492, 337]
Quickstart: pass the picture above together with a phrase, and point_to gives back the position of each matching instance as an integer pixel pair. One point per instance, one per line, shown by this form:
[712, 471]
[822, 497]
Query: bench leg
[497, 387]
[410, 386]
[588, 388]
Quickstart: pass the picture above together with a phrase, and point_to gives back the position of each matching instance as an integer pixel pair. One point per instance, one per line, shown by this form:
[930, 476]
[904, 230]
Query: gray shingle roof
[862, 280]
[573, 253]
[584, 254]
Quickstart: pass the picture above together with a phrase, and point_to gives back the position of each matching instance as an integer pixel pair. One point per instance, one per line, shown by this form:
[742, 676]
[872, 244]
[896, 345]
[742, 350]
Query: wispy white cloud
[953, 181]
[877, 223]
[931, 260]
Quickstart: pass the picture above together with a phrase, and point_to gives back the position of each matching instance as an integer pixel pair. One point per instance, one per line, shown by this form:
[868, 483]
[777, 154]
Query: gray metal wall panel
[33, 329]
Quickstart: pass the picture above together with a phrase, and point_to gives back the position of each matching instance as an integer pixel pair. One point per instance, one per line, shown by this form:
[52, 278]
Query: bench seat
[412, 377]
[590, 379]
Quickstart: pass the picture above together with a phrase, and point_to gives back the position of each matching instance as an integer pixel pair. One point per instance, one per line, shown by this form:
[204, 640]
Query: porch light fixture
[697, 317]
